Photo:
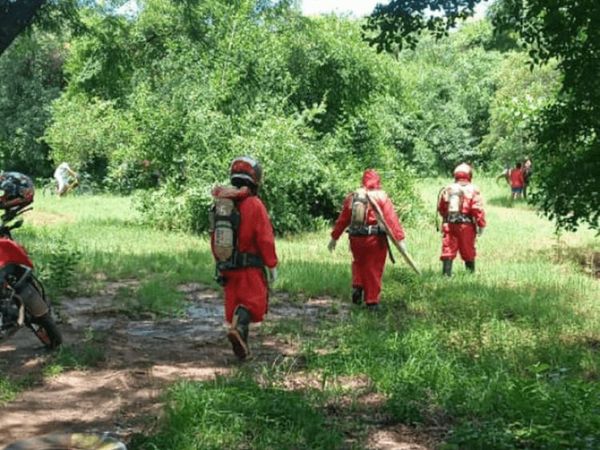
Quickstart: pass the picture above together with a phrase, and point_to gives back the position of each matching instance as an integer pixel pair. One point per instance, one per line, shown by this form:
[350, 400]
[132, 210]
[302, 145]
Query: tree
[398, 23]
[520, 96]
[31, 77]
[566, 131]
[14, 18]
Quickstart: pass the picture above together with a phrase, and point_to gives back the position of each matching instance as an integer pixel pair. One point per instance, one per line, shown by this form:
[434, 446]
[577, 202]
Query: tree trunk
[15, 15]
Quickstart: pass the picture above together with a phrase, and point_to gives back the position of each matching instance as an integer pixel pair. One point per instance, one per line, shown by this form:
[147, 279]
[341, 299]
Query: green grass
[8, 389]
[157, 295]
[238, 413]
[83, 355]
[102, 231]
[506, 358]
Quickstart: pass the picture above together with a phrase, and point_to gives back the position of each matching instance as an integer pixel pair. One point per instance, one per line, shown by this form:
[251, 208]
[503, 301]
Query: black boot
[470, 265]
[447, 267]
[357, 295]
[238, 333]
[373, 307]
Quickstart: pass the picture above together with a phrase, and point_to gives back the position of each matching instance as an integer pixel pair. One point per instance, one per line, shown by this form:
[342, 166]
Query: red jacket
[517, 179]
[472, 203]
[372, 182]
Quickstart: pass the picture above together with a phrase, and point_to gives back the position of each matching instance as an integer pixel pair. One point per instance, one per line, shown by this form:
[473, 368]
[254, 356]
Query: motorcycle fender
[33, 301]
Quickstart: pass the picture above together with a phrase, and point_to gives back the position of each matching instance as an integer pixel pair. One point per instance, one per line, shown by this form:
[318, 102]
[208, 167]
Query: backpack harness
[454, 195]
[224, 218]
[360, 208]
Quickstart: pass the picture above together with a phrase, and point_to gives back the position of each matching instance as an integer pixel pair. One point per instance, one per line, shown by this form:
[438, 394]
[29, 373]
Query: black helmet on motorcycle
[246, 169]
[16, 191]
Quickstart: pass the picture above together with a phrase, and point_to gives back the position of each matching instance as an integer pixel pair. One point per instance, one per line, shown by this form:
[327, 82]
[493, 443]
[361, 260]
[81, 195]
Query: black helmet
[16, 191]
[246, 168]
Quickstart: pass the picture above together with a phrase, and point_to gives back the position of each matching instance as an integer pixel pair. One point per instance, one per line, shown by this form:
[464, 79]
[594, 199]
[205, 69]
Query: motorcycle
[23, 300]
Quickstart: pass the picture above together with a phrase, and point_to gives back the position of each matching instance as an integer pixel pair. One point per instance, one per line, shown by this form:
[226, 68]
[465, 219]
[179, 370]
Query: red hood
[371, 179]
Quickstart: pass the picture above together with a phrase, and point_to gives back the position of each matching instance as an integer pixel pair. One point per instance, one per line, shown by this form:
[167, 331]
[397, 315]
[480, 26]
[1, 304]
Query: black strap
[366, 230]
[240, 260]
[460, 218]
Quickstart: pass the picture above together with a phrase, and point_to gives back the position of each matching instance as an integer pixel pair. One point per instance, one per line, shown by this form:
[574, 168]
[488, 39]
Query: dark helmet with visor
[246, 169]
[16, 191]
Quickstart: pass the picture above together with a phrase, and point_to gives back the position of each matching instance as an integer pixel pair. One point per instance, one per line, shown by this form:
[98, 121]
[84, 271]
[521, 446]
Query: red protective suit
[248, 286]
[369, 252]
[460, 237]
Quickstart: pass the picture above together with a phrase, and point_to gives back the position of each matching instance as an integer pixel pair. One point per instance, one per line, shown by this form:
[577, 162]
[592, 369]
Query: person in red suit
[368, 241]
[243, 244]
[461, 207]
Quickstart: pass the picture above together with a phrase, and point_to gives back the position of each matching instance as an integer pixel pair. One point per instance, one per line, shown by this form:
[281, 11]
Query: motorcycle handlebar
[8, 216]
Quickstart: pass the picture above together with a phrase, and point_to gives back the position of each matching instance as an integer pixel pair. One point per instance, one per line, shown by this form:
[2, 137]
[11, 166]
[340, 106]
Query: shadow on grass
[442, 350]
[239, 413]
[586, 257]
[505, 201]
[447, 350]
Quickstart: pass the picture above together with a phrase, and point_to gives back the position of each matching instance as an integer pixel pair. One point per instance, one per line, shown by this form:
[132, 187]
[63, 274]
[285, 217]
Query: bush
[296, 94]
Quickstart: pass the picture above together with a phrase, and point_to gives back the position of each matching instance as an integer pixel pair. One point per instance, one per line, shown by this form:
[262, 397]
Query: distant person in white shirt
[62, 174]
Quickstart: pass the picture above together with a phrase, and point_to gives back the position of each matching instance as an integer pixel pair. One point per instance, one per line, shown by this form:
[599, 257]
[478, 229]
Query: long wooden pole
[400, 248]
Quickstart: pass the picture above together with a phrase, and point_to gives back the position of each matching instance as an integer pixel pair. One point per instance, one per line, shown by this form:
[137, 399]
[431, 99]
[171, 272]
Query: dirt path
[122, 394]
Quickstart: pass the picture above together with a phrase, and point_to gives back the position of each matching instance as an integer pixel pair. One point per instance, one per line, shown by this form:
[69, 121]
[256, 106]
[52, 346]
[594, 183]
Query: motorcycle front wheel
[46, 331]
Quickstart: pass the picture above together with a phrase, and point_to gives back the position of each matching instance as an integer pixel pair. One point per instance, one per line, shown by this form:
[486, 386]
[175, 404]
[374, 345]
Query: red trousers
[369, 254]
[458, 237]
[247, 287]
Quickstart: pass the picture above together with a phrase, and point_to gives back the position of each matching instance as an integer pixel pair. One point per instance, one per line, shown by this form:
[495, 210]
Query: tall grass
[505, 358]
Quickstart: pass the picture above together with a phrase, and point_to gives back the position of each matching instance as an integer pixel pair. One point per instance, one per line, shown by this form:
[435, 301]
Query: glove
[272, 275]
[479, 231]
[331, 245]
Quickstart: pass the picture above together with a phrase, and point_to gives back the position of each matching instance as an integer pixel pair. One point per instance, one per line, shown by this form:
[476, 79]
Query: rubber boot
[470, 265]
[447, 267]
[373, 307]
[357, 295]
[238, 333]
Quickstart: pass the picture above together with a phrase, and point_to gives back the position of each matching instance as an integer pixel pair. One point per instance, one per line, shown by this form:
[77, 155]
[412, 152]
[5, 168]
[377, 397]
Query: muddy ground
[121, 394]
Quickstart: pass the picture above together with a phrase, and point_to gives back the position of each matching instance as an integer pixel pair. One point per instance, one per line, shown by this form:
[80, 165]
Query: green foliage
[8, 389]
[96, 132]
[266, 82]
[565, 130]
[448, 88]
[300, 192]
[155, 296]
[397, 24]
[31, 76]
[522, 93]
[327, 66]
[100, 61]
[59, 270]
[87, 353]
[168, 96]
[236, 414]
